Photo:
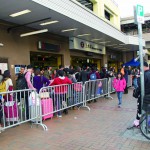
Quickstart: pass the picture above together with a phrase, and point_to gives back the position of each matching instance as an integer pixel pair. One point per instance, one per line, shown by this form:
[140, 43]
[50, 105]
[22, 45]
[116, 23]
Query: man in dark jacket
[147, 92]
[126, 78]
[146, 83]
[84, 75]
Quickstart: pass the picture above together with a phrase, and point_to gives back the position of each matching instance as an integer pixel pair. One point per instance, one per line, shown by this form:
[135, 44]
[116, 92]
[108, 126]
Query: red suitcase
[47, 108]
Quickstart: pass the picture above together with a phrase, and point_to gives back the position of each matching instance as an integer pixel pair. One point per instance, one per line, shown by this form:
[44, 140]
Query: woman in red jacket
[60, 91]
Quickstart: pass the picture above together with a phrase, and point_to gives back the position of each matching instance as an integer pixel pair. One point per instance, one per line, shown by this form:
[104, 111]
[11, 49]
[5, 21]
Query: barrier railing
[16, 108]
[95, 89]
[27, 106]
[55, 99]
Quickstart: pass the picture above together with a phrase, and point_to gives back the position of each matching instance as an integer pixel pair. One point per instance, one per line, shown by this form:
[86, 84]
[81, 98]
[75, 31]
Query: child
[119, 84]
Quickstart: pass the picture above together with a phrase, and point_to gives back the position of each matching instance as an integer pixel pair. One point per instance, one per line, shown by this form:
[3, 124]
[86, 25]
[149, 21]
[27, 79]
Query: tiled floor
[103, 128]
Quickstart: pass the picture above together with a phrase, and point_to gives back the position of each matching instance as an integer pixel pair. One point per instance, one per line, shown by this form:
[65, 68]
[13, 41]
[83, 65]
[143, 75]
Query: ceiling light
[83, 35]
[105, 42]
[67, 30]
[96, 39]
[112, 45]
[122, 44]
[20, 13]
[1, 44]
[118, 47]
[34, 32]
[48, 23]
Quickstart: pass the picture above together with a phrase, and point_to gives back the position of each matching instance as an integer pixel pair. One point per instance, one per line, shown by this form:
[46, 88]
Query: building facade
[67, 32]
[130, 28]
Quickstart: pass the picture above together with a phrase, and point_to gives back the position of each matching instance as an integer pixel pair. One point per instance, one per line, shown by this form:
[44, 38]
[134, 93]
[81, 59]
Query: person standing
[122, 70]
[48, 73]
[61, 91]
[28, 77]
[7, 79]
[84, 75]
[135, 77]
[60, 68]
[119, 84]
[146, 92]
[126, 78]
[39, 80]
[78, 74]
[93, 76]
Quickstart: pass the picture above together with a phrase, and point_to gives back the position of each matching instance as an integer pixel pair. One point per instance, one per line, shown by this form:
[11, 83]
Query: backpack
[3, 87]
[93, 76]
[21, 83]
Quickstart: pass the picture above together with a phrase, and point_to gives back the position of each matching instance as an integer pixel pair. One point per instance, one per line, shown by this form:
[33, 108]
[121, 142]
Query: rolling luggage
[47, 108]
[11, 111]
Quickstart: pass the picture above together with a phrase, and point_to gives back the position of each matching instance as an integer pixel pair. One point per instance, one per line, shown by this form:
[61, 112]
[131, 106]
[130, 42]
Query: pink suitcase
[47, 107]
[11, 111]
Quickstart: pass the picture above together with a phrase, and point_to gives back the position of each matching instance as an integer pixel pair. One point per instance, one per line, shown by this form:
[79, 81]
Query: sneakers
[59, 116]
[119, 106]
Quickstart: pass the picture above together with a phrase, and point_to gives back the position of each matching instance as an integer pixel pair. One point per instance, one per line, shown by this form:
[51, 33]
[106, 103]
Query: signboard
[139, 14]
[79, 44]
[43, 46]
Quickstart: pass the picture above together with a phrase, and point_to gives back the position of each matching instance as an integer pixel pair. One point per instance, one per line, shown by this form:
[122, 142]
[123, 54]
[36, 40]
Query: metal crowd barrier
[95, 89]
[27, 106]
[59, 98]
[16, 108]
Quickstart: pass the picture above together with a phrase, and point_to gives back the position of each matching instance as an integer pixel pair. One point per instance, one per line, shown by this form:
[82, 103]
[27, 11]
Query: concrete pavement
[103, 128]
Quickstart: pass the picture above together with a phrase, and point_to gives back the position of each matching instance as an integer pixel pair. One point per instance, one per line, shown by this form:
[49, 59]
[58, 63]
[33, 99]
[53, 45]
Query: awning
[132, 63]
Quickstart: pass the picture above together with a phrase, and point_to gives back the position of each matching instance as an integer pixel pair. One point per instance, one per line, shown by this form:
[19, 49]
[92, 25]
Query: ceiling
[39, 12]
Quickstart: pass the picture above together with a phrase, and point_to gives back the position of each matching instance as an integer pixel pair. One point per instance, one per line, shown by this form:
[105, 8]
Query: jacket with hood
[60, 81]
[119, 84]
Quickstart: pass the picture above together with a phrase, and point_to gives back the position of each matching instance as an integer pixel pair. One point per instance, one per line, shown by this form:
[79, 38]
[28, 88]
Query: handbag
[44, 95]
[136, 93]
[34, 99]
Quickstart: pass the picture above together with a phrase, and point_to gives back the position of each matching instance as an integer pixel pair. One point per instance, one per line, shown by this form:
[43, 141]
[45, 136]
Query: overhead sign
[79, 44]
[139, 14]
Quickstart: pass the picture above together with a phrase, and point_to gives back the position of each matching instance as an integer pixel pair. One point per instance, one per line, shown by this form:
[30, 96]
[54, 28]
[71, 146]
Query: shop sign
[79, 44]
[43, 46]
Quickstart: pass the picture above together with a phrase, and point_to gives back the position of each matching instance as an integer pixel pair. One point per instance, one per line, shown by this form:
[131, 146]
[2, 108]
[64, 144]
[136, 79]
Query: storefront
[85, 53]
[114, 59]
[43, 60]
[18, 51]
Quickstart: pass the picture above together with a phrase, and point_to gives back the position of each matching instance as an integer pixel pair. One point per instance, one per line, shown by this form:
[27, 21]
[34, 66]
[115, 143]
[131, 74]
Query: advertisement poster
[17, 69]
[3, 67]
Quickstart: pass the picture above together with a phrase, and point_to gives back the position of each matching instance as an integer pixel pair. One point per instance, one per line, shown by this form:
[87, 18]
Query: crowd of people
[35, 79]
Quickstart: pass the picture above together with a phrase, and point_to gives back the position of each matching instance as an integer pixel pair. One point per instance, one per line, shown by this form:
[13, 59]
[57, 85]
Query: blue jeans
[135, 83]
[119, 94]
